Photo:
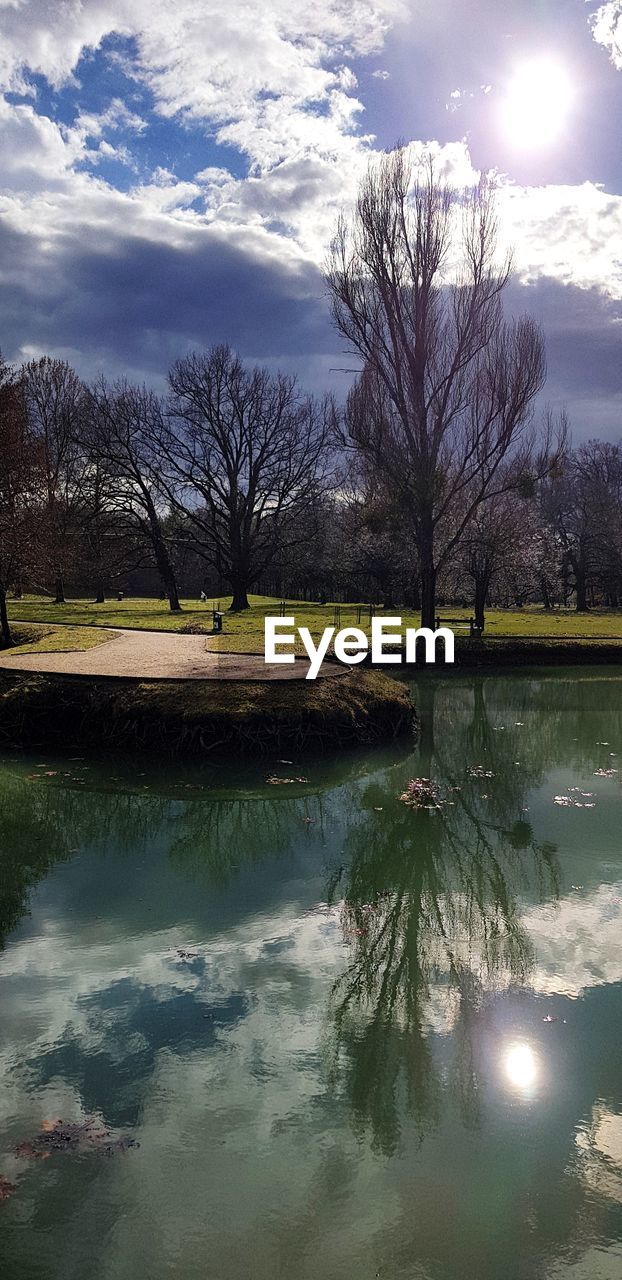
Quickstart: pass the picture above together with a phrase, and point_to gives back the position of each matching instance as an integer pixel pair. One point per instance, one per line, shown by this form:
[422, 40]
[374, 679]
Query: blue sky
[170, 175]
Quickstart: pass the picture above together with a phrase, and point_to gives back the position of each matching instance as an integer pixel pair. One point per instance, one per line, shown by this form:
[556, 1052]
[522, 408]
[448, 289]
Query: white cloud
[606, 25]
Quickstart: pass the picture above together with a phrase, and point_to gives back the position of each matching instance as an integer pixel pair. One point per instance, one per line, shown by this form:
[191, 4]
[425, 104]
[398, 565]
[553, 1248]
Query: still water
[251, 1031]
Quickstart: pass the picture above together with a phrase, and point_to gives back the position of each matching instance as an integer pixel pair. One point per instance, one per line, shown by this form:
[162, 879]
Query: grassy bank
[196, 716]
[32, 638]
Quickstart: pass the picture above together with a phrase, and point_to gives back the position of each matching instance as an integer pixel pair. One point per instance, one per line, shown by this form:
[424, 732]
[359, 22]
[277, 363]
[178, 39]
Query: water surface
[348, 1039]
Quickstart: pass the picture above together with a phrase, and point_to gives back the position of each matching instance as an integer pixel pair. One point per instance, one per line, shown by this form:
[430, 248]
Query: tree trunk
[5, 629]
[581, 589]
[480, 603]
[166, 571]
[100, 598]
[60, 590]
[240, 597]
[428, 595]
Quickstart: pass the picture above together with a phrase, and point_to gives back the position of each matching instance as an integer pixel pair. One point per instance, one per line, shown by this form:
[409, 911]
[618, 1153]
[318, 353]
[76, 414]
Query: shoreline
[200, 717]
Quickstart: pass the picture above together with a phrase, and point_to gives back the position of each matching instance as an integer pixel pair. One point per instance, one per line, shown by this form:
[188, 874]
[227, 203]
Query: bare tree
[20, 477]
[497, 540]
[244, 456]
[443, 403]
[119, 436]
[54, 397]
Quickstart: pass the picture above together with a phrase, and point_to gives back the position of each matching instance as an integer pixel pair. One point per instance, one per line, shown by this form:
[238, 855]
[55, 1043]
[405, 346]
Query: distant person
[203, 598]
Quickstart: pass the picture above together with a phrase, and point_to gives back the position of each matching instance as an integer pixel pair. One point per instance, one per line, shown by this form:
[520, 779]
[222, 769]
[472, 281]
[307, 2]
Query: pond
[303, 1030]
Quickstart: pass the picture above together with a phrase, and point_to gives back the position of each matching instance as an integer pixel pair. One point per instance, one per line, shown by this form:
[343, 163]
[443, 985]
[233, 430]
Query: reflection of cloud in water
[100, 1016]
[599, 1158]
[578, 943]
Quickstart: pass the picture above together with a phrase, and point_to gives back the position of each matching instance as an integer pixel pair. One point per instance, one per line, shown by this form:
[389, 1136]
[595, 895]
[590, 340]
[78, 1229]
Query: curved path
[160, 655]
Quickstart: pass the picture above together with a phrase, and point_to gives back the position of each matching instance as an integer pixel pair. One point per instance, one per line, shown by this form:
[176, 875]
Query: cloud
[606, 24]
[131, 277]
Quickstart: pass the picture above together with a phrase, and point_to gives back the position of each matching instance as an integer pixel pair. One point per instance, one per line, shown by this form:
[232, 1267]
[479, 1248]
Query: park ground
[77, 624]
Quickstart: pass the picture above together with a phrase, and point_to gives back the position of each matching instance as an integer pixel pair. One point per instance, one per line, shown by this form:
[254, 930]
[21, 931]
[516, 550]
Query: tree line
[434, 481]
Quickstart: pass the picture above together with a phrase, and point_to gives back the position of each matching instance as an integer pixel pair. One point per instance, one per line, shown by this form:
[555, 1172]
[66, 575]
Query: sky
[170, 174]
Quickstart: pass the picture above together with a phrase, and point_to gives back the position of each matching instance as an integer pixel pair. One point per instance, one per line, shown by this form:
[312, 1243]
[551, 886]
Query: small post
[217, 622]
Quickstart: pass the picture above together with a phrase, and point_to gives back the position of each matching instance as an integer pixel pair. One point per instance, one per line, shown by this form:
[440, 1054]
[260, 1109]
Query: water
[391, 1045]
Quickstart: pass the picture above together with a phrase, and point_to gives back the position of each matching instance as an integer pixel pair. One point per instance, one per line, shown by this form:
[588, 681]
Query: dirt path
[160, 655]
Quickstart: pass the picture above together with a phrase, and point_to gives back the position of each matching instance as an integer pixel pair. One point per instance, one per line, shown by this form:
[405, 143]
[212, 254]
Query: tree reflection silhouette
[429, 908]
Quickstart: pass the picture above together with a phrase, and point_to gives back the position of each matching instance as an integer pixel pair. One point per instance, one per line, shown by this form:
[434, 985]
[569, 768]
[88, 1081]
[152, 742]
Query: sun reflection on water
[521, 1066]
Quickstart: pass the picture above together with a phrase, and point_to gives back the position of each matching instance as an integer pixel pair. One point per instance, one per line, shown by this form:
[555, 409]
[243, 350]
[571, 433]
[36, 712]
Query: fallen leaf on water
[76, 1137]
[550, 1018]
[422, 793]
[6, 1188]
[277, 782]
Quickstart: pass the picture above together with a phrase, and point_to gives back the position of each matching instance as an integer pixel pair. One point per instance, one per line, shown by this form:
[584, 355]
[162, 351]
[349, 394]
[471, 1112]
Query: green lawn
[35, 639]
[244, 632]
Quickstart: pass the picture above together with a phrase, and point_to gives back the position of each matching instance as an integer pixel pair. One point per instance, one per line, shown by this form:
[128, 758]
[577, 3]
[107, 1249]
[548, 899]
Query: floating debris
[422, 793]
[274, 781]
[6, 1188]
[478, 771]
[78, 1138]
[186, 955]
[569, 803]
[550, 1017]
[605, 773]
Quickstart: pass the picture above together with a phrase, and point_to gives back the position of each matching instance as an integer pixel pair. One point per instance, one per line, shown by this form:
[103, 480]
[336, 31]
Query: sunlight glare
[537, 103]
[521, 1067]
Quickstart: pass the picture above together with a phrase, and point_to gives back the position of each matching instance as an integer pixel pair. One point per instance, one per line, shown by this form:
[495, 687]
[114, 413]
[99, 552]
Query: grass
[244, 632]
[31, 638]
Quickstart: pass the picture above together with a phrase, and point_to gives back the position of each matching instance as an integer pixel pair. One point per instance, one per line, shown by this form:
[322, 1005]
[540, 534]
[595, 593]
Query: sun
[536, 104]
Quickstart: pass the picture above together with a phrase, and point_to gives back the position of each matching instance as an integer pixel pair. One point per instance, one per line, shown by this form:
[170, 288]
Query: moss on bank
[198, 716]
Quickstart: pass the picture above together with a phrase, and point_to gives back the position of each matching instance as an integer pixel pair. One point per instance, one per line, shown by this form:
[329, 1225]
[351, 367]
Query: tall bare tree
[119, 436]
[20, 480]
[443, 403]
[244, 455]
[54, 397]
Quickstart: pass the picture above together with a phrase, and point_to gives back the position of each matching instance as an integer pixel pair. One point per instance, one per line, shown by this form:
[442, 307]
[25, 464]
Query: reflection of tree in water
[206, 839]
[429, 907]
[32, 842]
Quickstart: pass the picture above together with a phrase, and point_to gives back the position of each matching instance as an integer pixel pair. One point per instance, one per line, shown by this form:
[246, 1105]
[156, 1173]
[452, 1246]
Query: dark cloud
[136, 304]
[583, 331]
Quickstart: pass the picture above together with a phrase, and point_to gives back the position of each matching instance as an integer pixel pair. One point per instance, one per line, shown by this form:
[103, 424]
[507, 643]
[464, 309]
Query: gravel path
[160, 655]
